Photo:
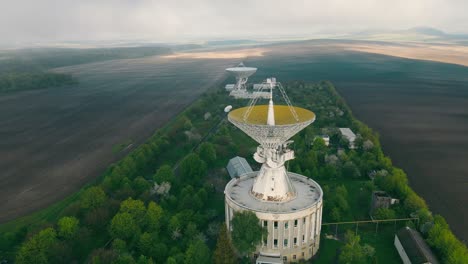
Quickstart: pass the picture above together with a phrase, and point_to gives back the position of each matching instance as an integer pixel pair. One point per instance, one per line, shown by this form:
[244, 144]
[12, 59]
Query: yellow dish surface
[283, 115]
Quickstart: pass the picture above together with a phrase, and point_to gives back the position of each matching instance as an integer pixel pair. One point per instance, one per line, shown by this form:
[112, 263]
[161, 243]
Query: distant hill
[423, 33]
[230, 42]
[427, 31]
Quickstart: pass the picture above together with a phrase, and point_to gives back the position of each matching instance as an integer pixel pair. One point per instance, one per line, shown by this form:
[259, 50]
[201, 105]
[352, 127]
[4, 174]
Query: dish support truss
[270, 83]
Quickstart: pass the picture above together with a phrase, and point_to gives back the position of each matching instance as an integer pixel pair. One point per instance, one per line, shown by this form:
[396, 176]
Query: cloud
[180, 20]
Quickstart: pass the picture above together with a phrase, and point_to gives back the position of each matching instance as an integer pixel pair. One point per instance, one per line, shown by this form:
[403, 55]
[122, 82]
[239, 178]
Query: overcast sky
[167, 21]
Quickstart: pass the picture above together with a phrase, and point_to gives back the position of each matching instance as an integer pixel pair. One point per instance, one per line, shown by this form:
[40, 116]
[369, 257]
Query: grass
[328, 251]
[381, 239]
[119, 147]
[43, 216]
[358, 197]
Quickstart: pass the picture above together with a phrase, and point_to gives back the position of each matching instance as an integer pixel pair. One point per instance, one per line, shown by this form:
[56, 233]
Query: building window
[295, 223]
[265, 223]
[295, 241]
[303, 220]
[303, 238]
[275, 243]
[302, 253]
[275, 224]
[294, 256]
[285, 242]
[285, 258]
[286, 225]
[265, 241]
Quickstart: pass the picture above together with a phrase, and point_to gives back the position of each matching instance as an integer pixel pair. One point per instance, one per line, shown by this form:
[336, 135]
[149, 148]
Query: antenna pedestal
[272, 182]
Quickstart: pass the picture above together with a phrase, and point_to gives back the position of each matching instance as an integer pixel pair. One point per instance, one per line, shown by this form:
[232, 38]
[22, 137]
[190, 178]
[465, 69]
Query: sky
[49, 21]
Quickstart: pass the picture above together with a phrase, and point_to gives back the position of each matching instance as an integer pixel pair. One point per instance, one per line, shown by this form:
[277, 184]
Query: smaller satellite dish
[227, 108]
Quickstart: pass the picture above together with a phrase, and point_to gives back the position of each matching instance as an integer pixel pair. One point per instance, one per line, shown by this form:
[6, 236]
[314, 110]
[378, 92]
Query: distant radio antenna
[242, 74]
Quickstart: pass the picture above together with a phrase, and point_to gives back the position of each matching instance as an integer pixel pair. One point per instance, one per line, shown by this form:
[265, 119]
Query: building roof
[308, 194]
[348, 133]
[238, 166]
[415, 247]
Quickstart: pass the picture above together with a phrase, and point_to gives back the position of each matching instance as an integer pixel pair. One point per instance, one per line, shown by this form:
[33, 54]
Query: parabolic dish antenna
[286, 125]
[242, 74]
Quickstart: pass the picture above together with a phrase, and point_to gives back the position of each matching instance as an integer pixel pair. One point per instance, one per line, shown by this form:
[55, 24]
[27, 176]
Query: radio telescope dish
[242, 74]
[286, 125]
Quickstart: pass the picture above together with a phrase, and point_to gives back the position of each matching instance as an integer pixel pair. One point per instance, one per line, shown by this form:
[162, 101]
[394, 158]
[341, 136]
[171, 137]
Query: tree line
[31, 81]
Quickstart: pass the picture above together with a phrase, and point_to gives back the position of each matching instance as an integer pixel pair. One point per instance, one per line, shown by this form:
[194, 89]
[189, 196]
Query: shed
[349, 135]
[381, 199]
[238, 166]
[412, 248]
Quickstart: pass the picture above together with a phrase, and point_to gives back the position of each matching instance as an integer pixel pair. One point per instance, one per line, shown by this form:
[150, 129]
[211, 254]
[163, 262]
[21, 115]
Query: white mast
[271, 110]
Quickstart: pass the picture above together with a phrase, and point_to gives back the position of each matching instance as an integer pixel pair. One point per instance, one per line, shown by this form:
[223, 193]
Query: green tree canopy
[197, 253]
[207, 152]
[153, 216]
[247, 232]
[123, 226]
[224, 252]
[385, 213]
[37, 249]
[164, 174]
[193, 169]
[67, 227]
[135, 208]
[353, 252]
[93, 197]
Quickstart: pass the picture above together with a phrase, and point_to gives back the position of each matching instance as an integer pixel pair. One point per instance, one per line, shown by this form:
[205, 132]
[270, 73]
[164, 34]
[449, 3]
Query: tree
[101, 256]
[385, 213]
[135, 208]
[335, 214]
[144, 260]
[247, 232]
[119, 245]
[140, 185]
[124, 258]
[224, 253]
[351, 170]
[164, 174]
[319, 144]
[145, 243]
[93, 198]
[123, 226]
[197, 253]
[193, 169]
[444, 241]
[207, 152]
[153, 216]
[37, 249]
[67, 227]
[414, 202]
[353, 252]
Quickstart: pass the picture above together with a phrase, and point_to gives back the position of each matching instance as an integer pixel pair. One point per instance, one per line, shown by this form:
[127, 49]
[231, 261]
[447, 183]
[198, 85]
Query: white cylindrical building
[293, 226]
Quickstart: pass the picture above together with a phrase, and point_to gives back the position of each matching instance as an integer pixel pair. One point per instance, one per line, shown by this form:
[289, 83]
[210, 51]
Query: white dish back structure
[242, 74]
